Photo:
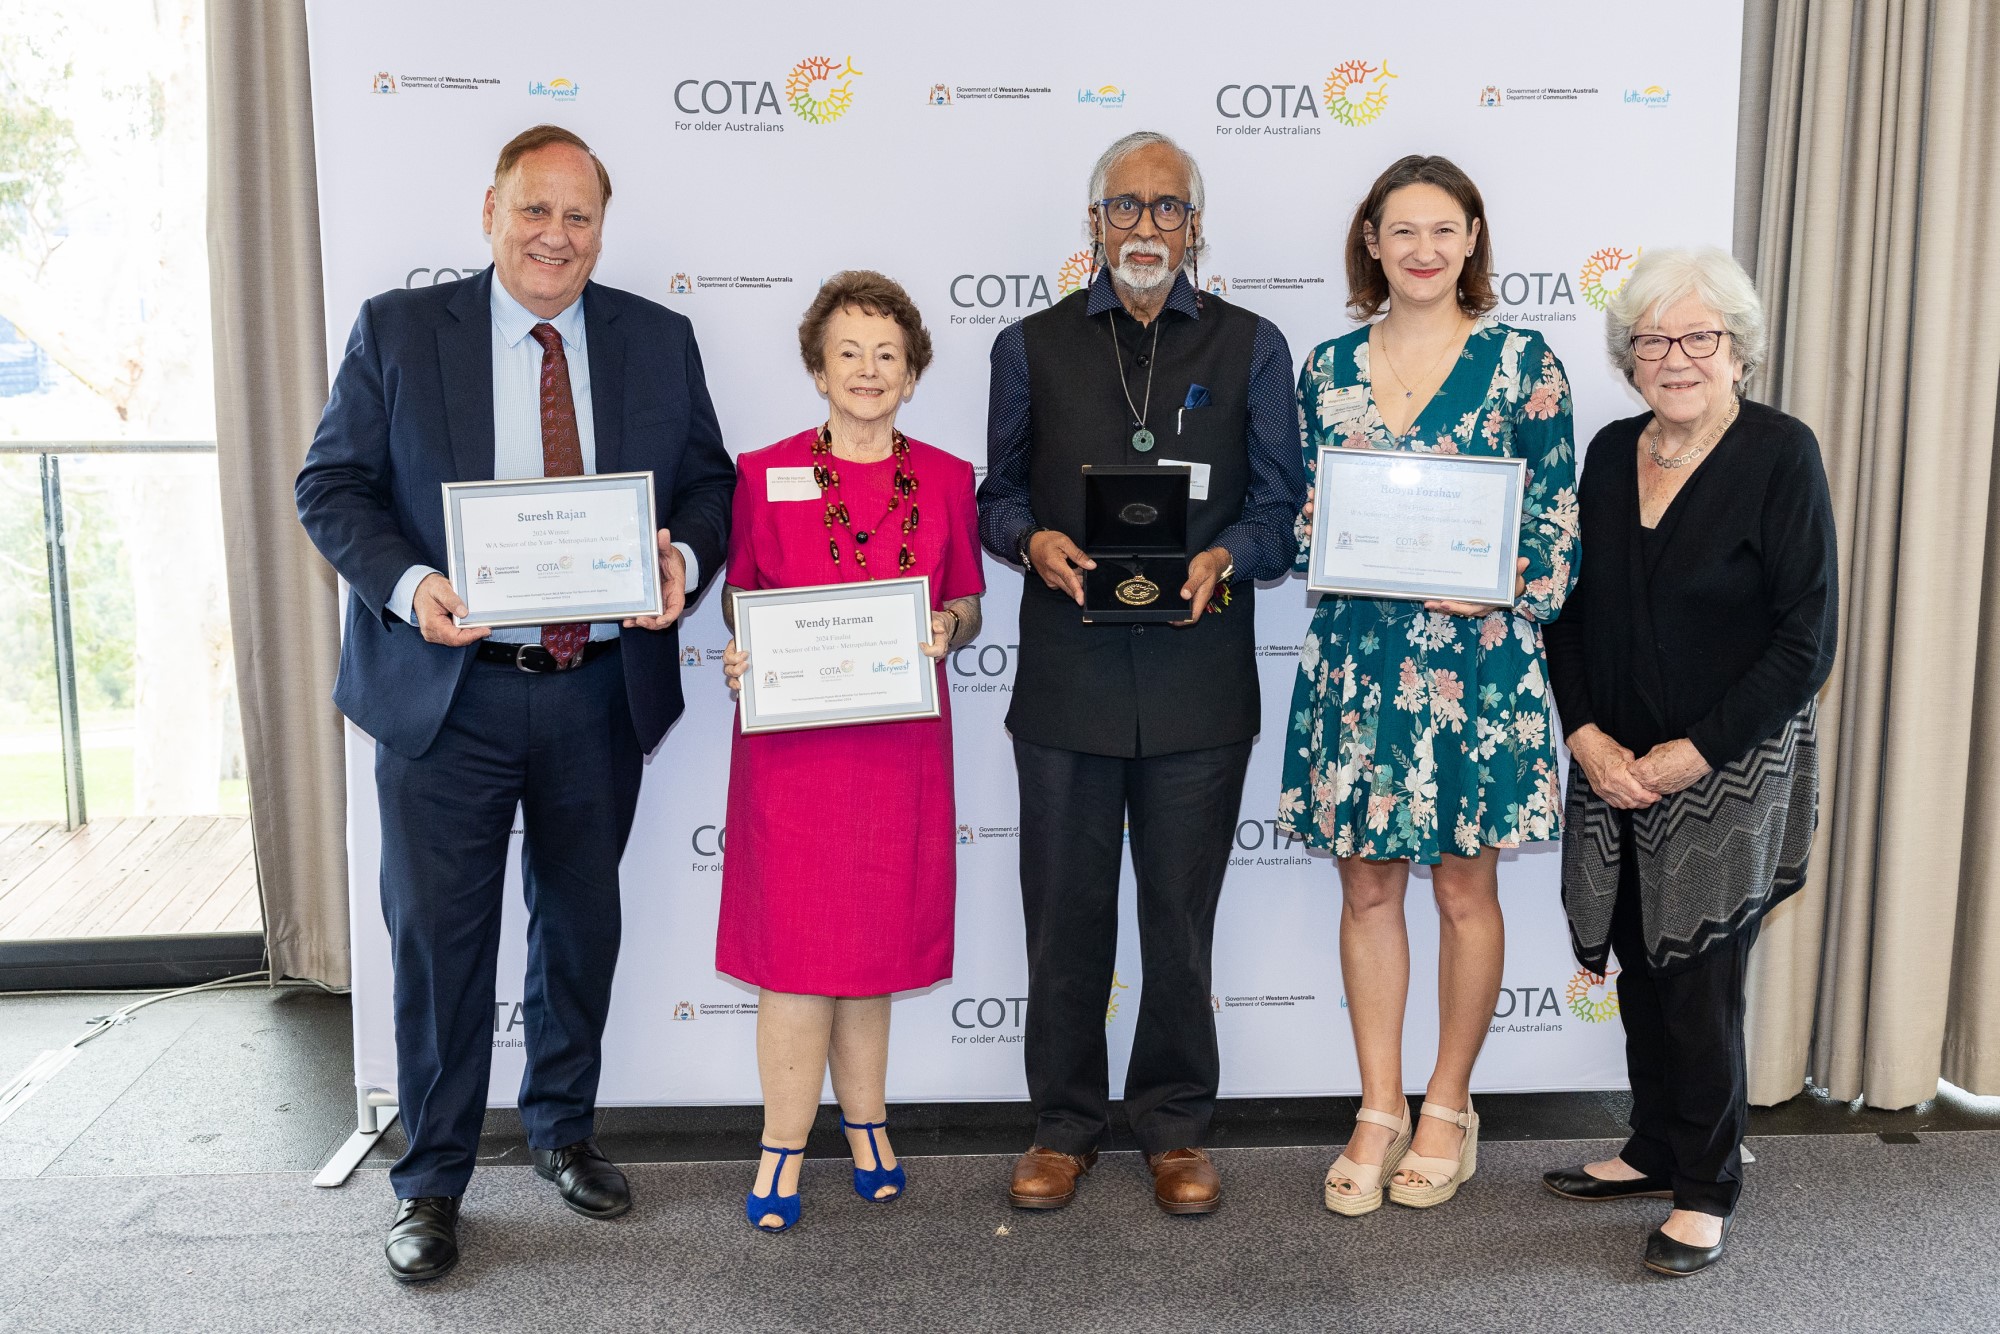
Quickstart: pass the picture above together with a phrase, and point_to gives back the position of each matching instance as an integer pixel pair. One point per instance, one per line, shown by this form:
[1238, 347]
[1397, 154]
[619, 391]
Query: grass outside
[31, 786]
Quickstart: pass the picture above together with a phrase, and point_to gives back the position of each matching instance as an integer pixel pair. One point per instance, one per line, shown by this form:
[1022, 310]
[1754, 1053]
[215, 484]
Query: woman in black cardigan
[1684, 668]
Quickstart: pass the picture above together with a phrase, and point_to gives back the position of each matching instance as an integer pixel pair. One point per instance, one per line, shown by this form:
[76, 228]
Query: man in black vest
[1151, 723]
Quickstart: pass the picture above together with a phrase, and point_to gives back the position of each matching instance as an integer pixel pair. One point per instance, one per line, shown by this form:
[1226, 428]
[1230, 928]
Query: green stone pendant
[1142, 440]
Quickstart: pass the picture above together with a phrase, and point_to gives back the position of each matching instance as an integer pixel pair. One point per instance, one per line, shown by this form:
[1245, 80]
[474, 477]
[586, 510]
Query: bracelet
[957, 624]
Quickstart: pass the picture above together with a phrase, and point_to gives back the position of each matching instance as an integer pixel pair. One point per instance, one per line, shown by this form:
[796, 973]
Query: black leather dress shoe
[590, 1183]
[1677, 1259]
[423, 1241]
[1573, 1183]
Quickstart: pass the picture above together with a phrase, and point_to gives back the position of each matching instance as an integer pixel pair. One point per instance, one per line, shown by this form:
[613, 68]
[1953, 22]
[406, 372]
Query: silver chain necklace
[1142, 439]
[1686, 456]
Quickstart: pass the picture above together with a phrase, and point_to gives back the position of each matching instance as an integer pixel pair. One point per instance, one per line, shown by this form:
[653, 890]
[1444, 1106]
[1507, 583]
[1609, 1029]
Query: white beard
[1142, 277]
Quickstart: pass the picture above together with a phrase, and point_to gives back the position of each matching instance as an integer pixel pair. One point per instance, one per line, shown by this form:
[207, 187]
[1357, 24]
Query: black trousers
[1684, 1052]
[1183, 812]
[562, 746]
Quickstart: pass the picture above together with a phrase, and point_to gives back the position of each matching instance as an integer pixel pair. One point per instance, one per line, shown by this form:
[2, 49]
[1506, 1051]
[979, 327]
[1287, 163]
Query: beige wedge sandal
[1366, 1197]
[1441, 1177]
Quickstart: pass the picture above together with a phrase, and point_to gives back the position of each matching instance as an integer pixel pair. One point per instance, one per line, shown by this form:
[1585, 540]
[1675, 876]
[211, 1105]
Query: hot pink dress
[841, 872]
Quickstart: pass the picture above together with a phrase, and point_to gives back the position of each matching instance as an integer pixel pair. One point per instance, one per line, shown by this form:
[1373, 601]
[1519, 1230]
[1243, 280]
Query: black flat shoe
[590, 1183]
[423, 1241]
[1573, 1183]
[1677, 1259]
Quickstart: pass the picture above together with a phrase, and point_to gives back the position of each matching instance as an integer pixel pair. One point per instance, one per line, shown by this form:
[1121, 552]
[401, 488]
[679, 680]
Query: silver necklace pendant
[1142, 440]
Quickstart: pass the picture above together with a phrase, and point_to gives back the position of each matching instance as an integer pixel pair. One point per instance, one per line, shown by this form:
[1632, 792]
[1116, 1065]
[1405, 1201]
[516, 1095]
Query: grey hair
[1663, 277]
[1124, 148]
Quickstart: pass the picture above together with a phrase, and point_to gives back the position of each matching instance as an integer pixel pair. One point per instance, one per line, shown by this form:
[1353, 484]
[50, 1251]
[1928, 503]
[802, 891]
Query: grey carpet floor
[1836, 1233]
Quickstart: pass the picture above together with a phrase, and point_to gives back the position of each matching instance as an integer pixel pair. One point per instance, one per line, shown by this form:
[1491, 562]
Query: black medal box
[1135, 526]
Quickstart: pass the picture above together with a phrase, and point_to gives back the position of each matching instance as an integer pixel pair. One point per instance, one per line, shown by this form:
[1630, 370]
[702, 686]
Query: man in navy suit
[527, 370]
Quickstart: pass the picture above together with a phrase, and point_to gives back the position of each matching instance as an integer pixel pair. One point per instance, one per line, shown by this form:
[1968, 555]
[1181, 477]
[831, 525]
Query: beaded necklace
[903, 487]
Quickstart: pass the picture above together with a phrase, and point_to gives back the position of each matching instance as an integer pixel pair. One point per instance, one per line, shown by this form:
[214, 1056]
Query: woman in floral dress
[1421, 732]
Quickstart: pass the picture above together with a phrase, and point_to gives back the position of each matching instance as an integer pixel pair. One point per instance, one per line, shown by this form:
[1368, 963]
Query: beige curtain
[1870, 213]
[270, 383]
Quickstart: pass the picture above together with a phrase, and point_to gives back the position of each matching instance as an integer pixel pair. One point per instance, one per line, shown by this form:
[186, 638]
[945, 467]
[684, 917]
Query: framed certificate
[833, 654]
[1416, 527]
[548, 549]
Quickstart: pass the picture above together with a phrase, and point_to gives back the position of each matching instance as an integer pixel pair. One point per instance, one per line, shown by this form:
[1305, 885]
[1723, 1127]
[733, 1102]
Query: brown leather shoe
[1185, 1181]
[1046, 1179]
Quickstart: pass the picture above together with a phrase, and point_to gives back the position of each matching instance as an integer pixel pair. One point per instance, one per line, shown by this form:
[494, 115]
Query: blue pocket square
[1197, 397]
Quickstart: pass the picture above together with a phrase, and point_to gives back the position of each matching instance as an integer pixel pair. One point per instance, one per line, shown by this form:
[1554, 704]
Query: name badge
[1197, 479]
[790, 484]
[1341, 407]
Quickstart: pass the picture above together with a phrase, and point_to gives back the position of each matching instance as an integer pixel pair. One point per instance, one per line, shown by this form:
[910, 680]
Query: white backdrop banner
[756, 149]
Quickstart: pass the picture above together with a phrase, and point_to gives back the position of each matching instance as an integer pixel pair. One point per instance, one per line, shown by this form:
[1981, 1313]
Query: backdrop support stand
[375, 1112]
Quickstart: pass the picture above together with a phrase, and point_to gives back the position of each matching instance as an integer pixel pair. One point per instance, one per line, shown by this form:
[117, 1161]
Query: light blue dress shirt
[517, 430]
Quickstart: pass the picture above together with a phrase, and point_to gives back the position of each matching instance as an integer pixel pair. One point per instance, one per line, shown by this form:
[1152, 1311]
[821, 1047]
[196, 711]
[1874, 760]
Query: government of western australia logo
[1591, 997]
[820, 91]
[1077, 272]
[1357, 93]
[1604, 273]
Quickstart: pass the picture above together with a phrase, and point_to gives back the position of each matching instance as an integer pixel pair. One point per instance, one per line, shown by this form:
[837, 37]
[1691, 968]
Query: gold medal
[1138, 591]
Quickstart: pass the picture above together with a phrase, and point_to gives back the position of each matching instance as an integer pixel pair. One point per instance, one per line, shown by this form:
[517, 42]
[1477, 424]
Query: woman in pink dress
[841, 875]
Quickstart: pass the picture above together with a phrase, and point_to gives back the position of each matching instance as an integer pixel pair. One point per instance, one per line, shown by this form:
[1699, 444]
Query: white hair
[1131, 144]
[1661, 278]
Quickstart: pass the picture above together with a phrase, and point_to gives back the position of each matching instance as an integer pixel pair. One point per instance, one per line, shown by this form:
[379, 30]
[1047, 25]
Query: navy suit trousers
[562, 747]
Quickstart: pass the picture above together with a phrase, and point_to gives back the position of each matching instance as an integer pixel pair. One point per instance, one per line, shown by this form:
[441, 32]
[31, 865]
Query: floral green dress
[1412, 733]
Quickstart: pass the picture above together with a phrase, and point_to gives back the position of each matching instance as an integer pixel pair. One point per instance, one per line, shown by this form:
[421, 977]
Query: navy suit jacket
[412, 408]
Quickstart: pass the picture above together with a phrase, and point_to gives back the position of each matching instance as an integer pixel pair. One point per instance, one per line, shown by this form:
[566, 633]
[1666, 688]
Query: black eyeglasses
[1699, 345]
[1169, 214]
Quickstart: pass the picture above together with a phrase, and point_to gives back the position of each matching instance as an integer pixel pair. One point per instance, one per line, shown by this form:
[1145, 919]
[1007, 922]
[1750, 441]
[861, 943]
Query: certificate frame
[1363, 467]
[652, 600]
[757, 710]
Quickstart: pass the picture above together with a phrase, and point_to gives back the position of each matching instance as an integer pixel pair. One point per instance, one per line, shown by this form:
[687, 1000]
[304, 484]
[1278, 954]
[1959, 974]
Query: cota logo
[820, 91]
[1356, 92]
[1591, 996]
[1604, 273]
[1077, 272]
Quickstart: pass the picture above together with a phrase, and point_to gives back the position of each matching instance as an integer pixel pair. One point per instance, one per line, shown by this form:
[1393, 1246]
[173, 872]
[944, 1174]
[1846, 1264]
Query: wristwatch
[1021, 544]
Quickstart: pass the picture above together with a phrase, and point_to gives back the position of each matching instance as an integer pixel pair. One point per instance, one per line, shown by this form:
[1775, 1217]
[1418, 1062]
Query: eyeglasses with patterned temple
[1170, 214]
[1699, 344]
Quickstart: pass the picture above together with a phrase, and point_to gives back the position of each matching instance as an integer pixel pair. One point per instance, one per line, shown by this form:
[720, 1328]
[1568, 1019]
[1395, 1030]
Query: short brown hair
[545, 136]
[871, 293]
[1368, 286]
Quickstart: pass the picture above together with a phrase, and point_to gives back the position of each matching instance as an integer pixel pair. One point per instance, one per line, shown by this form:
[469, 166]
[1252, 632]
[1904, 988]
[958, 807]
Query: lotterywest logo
[982, 669]
[818, 90]
[1355, 92]
[1652, 96]
[562, 90]
[1106, 95]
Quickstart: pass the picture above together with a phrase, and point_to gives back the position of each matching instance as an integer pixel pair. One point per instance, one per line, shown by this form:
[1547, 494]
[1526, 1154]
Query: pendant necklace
[1142, 439]
[903, 487]
[1408, 392]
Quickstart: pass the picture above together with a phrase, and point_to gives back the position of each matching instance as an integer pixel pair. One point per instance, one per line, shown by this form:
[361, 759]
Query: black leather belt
[535, 658]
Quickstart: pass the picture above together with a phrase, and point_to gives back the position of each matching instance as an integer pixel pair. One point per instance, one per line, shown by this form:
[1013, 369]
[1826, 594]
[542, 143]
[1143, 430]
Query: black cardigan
[1727, 629]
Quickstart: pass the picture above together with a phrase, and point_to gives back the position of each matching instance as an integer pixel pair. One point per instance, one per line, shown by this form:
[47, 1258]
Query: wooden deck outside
[166, 876]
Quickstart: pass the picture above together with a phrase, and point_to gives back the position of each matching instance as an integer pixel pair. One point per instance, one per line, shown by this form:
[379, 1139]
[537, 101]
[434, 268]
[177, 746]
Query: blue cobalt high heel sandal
[786, 1207]
[868, 1180]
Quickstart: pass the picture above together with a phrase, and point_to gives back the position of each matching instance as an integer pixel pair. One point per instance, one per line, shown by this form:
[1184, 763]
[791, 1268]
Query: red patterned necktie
[562, 456]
